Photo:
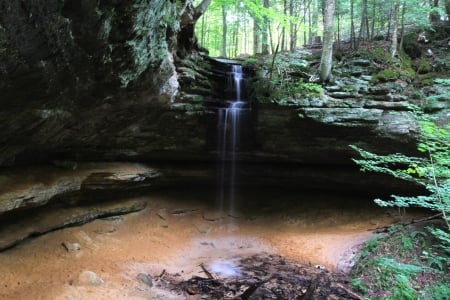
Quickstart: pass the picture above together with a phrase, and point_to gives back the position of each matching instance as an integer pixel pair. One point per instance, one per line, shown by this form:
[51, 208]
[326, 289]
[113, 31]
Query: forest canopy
[233, 28]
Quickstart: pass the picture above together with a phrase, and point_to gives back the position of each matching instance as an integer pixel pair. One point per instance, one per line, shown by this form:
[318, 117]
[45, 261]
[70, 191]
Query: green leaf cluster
[432, 170]
[398, 265]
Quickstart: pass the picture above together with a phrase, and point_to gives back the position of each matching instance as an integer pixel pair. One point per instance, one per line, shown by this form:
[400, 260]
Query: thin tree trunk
[236, 30]
[223, 51]
[372, 29]
[402, 31]
[434, 14]
[362, 28]
[367, 22]
[265, 31]
[293, 33]
[352, 25]
[338, 25]
[203, 32]
[314, 7]
[393, 47]
[283, 30]
[382, 19]
[389, 24]
[308, 40]
[256, 36]
[326, 60]
[271, 41]
[447, 8]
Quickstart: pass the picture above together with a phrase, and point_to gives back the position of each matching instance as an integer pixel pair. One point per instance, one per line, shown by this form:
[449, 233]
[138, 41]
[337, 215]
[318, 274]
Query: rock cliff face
[110, 80]
[89, 79]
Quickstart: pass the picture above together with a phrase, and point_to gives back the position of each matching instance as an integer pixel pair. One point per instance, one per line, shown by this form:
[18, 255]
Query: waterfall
[229, 123]
[237, 78]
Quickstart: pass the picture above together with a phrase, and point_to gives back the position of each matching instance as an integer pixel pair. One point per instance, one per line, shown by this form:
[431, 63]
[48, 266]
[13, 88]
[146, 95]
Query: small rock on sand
[89, 278]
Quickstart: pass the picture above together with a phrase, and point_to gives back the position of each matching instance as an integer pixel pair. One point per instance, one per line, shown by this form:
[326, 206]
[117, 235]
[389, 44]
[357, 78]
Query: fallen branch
[354, 295]
[162, 274]
[206, 271]
[386, 228]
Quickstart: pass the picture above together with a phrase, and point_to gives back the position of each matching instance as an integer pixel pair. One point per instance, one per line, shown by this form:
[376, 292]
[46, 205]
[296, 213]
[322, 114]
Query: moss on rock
[151, 21]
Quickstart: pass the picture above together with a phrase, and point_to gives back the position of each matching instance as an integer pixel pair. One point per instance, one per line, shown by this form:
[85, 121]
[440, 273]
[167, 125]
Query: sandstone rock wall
[86, 77]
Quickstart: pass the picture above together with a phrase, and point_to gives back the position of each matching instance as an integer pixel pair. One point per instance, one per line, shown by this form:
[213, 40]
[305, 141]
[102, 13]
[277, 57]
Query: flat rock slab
[31, 187]
[43, 220]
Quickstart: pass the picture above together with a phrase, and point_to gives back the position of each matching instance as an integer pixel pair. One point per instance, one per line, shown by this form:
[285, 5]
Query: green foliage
[442, 81]
[432, 170]
[395, 265]
[394, 73]
[393, 68]
[295, 90]
[439, 291]
[377, 54]
[423, 66]
[359, 285]
[403, 289]
[385, 75]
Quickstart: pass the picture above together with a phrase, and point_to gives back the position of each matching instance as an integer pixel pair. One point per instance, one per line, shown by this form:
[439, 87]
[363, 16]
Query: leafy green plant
[403, 289]
[359, 285]
[303, 88]
[437, 292]
[431, 170]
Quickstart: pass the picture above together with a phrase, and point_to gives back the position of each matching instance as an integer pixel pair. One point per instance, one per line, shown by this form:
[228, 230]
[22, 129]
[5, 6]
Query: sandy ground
[177, 232]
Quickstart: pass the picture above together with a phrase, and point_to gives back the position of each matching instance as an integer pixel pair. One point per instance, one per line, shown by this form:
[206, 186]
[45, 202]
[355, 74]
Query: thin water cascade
[228, 135]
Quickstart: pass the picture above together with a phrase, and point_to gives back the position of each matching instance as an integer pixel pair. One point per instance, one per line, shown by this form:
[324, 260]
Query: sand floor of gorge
[177, 232]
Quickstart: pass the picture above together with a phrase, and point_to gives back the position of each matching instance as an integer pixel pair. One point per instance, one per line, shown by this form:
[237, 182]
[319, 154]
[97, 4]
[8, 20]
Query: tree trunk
[283, 30]
[293, 33]
[203, 33]
[372, 29]
[362, 31]
[434, 14]
[265, 31]
[352, 25]
[314, 7]
[256, 36]
[236, 30]
[338, 25]
[393, 47]
[223, 51]
[402, 30]
[188, 17]
[389, 24]
[310, 34]
[326, 60]
[200, 9]
[447, 8]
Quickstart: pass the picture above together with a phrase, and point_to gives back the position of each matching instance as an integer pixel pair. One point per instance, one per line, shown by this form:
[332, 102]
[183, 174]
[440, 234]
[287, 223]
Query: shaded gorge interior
[127, 150]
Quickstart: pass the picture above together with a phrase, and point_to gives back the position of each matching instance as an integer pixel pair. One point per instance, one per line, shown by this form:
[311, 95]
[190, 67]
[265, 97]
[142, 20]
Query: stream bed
[181, 231]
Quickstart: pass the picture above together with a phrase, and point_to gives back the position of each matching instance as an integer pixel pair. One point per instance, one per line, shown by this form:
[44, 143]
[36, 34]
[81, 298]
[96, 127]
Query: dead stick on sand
[354, 295]
[206, 271]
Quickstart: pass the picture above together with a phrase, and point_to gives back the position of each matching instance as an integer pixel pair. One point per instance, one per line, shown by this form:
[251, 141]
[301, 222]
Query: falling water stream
[229, 127]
